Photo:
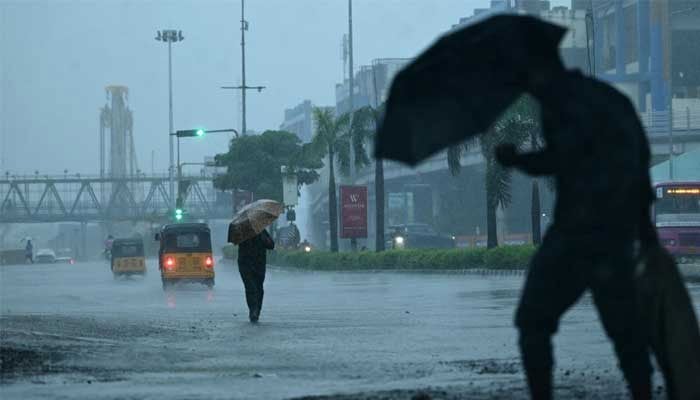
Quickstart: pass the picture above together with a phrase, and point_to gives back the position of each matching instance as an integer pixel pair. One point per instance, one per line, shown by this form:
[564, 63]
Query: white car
[45, 256]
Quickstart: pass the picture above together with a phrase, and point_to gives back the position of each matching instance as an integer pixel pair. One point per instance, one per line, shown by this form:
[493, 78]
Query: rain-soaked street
[71, 331]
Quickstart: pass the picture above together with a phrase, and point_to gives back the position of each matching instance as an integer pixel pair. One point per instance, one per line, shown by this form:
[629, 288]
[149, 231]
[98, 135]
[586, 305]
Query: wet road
[71, 331]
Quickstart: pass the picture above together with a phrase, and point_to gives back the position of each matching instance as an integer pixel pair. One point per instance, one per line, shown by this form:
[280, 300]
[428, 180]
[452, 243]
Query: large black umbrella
[460, 85]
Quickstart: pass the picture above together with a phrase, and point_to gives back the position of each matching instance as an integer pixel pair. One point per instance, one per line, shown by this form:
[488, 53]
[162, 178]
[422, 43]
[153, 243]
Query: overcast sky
[57, 56]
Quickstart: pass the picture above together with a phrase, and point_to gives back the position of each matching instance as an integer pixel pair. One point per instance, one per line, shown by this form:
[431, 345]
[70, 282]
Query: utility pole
[668, 74]
[351, 82]
[243, 87]
[243, 29]
[351, 72]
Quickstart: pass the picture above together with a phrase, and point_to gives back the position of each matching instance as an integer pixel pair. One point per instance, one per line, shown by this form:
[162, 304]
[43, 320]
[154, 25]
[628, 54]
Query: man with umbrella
[596, 150]
[247, 230]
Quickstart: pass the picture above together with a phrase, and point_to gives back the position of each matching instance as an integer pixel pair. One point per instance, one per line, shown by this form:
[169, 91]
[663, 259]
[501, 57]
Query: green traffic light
[200, 132]
[178, 214]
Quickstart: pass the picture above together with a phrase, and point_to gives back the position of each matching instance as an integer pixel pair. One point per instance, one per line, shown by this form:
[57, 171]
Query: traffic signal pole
[190, 133]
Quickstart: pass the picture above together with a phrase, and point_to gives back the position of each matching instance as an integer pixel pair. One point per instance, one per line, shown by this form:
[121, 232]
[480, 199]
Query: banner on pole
[353, 211]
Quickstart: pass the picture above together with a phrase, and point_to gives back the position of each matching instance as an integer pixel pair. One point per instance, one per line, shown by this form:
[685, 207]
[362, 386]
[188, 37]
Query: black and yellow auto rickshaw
[128, 257]
[185, 254]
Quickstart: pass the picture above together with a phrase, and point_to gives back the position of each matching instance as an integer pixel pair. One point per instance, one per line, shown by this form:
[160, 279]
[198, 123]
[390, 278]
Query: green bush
[506, 257]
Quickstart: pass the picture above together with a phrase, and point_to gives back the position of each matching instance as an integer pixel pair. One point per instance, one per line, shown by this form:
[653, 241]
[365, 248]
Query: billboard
[353, 211]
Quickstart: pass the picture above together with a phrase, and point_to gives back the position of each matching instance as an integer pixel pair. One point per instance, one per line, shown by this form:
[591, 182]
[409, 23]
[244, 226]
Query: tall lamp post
[170, 36]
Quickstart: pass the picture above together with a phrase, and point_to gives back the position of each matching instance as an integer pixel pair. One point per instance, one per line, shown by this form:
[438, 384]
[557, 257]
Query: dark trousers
[253, 277]
[565, 266]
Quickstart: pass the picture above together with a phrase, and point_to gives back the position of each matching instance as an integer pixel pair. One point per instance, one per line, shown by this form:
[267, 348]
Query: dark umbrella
[462, 83]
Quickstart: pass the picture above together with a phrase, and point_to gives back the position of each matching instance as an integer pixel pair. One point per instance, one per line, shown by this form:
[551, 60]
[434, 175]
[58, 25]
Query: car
[45, 256]
[65, 256]
[418, 235]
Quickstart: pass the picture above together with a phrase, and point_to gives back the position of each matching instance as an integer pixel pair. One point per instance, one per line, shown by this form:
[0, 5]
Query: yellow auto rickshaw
[185, 254]
[128, 257]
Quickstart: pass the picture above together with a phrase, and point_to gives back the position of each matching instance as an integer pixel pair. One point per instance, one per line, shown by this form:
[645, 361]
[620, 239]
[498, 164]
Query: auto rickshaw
[185, 254]
[128, 257]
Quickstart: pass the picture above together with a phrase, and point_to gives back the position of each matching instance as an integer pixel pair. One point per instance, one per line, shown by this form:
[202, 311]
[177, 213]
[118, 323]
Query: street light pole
[243, 87]
[170, 36]
[170, 119]
[351, 83]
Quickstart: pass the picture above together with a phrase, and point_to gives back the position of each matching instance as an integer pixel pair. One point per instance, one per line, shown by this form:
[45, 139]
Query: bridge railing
[72, 198]
[685, 121]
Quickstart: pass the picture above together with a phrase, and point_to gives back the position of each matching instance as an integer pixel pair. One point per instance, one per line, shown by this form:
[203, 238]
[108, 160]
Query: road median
[500, 258]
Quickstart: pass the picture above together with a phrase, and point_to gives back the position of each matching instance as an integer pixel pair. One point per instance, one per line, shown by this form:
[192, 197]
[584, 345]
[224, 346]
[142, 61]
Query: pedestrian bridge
[37, 199]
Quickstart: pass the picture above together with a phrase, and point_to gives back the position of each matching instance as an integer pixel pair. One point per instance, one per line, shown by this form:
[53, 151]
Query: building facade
[299, 120]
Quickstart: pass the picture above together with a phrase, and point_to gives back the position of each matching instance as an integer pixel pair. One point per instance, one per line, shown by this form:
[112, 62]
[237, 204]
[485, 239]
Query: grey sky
[57, 56]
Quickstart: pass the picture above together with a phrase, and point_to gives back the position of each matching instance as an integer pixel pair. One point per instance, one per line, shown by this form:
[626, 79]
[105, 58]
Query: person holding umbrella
[598, 154]
[247, 230]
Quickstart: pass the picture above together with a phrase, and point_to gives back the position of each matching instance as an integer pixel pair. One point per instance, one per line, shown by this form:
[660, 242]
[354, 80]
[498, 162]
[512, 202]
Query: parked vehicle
[185, 254]
[45, 256]
[416, 236]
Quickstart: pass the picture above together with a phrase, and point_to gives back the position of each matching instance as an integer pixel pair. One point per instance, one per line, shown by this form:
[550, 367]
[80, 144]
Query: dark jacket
[253, 252]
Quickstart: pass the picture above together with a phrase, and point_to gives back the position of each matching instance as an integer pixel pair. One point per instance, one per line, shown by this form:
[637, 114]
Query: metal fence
[686, 121]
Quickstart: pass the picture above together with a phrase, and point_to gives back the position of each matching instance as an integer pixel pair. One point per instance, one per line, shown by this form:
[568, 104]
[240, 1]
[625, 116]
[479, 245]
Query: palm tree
[513, 127]
[334, 137]
[363, 129]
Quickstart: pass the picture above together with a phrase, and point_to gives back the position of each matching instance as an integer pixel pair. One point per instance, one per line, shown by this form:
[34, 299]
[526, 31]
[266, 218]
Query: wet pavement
[72, 331]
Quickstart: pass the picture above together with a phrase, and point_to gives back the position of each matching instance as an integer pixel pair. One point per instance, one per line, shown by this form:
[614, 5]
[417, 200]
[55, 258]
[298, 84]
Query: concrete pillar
[643, 52]
[83, 241]
[598, 44]
[619, 39]
[656, 54]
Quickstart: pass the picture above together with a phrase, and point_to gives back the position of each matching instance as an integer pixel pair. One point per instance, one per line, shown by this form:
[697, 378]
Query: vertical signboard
[353, 211]
[290, 190]
[290, 187]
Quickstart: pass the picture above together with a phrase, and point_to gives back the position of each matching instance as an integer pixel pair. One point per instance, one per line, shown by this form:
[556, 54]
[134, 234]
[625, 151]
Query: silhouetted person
[29, 252]
[252, 260]
[598, 153]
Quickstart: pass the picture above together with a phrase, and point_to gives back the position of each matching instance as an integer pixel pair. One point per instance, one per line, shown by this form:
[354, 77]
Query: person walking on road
[29, 252]
[252, 260]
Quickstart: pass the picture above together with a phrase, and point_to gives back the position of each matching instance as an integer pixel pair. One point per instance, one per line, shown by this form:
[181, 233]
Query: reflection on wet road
[85, 335]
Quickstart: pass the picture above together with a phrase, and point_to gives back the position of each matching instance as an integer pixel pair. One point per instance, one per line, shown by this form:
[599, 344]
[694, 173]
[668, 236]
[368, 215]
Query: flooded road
[72, 331]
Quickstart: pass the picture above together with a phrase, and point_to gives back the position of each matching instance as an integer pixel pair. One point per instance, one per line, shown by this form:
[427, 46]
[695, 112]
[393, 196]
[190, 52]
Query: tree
[254, 163]
[364, 128]
[514, 126]
[334, 137]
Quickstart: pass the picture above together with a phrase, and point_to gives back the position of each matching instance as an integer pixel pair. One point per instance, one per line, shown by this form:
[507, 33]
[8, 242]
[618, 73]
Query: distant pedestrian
[29, 252]
[252, 260]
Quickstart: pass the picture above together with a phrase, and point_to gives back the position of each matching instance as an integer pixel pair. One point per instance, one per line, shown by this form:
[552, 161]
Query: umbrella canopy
[252, 219]
[459, 86]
